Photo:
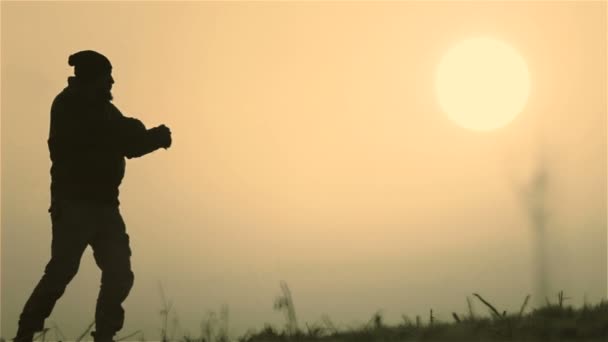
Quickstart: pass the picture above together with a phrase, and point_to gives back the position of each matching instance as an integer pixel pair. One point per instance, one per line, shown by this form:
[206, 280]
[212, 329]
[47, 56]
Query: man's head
[94, 71]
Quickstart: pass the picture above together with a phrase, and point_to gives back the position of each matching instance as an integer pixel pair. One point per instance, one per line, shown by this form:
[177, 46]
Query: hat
[89, 64]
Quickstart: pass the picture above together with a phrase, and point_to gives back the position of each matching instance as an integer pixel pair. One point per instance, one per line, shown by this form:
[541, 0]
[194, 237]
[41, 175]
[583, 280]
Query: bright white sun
[482, 84]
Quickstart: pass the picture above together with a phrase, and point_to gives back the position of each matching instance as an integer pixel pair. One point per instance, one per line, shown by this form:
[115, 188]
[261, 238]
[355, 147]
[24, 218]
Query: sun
[482, 84]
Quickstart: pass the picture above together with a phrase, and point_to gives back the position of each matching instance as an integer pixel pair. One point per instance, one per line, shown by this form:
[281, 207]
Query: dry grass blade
[128, 336]
[85, 332]
[561, 298]
[494, 311]
[456, 318]
[523, 306]
[42, 334]
[59, 336]
[329, 325]
[164, 312]
[291, 312]
[376, 320]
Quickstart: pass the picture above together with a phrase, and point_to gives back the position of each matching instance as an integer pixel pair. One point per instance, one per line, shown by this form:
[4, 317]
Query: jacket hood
[74, 84]
[77, 87]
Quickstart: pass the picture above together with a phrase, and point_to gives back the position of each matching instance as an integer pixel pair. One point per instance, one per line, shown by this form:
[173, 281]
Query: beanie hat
[89, 64]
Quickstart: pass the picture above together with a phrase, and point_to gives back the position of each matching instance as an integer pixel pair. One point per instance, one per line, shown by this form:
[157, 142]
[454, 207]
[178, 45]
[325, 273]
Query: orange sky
[309, 147]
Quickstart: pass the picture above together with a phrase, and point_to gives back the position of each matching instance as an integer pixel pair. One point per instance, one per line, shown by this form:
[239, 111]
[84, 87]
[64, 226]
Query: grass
[546, 324]
[552, 322]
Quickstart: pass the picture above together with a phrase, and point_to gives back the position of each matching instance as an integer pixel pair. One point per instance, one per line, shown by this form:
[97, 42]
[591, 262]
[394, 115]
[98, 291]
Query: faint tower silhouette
[285, 302]
[535, 198]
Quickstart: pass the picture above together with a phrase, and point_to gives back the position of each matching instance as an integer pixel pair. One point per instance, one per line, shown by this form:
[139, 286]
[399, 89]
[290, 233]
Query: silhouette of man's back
[89, 139]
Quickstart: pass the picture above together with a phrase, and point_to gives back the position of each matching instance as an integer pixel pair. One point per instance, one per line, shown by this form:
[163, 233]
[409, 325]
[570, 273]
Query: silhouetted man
[88, 141]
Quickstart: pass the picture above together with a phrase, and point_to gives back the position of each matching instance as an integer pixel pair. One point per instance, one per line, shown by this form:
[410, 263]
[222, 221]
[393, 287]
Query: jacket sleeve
[133, 139]
[137, 141]
[79, 133]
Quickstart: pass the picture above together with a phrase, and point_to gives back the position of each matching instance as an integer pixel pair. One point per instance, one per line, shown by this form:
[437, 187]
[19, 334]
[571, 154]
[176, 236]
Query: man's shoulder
[64, 97]
[114, 112]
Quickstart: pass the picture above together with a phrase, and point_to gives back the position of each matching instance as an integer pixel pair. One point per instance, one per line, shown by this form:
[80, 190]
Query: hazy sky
[309, 146]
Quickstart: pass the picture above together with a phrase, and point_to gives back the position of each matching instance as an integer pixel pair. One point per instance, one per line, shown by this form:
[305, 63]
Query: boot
[24, 337]
[101, 337]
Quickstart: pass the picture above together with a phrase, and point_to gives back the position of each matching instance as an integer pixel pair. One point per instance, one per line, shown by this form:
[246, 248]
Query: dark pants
[75, 226]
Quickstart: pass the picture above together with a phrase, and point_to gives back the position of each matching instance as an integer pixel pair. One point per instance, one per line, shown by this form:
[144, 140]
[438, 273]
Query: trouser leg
[71, 233]
[112, 254]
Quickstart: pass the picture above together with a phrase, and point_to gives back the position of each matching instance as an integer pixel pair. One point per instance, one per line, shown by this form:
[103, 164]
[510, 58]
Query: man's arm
[82, 134]
[138, 141]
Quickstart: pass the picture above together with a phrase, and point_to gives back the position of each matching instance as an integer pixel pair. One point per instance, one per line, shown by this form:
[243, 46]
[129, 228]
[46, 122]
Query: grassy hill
[553, 322]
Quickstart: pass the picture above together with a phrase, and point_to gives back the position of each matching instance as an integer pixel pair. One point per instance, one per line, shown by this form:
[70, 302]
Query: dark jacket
[88, 142]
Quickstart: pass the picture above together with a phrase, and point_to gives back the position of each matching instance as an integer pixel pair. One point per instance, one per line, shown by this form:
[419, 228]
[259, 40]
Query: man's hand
[162, 135]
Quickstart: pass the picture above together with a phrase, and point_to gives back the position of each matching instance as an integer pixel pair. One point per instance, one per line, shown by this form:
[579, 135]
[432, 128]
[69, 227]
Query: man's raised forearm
[143, 144]
[138, 141]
